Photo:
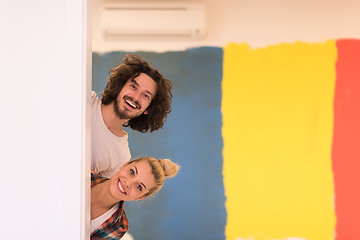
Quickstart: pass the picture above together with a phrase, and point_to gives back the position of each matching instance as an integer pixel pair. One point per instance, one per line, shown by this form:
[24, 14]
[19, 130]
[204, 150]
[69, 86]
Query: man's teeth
[130, 103]
[120, 187]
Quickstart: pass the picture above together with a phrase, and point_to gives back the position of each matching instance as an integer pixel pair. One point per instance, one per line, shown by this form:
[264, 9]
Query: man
[136, 95]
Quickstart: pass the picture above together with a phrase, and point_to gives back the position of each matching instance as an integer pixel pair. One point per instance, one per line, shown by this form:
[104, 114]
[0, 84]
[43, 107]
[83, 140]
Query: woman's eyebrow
[136, 174]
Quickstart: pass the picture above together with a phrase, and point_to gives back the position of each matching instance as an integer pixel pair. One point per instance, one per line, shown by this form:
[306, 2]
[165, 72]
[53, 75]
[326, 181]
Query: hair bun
[170, 168]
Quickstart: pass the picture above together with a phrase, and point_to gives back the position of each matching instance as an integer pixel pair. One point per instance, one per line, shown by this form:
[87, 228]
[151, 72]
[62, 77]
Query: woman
[136, 180]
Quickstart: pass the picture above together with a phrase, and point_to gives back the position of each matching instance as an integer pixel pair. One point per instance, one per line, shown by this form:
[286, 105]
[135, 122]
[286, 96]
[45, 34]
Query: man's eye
[133, 86]
[146, 96]
[132, 172]
[139, 187]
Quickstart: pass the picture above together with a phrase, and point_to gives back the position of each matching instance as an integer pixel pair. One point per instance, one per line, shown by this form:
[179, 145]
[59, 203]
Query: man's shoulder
[95, 100]
[94, 95]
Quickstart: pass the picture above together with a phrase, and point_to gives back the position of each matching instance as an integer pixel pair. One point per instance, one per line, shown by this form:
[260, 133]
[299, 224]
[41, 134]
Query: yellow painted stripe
[277, 129]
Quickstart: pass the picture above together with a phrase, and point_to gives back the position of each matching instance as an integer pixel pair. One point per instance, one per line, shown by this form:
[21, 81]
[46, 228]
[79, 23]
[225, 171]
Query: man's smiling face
[135, 97]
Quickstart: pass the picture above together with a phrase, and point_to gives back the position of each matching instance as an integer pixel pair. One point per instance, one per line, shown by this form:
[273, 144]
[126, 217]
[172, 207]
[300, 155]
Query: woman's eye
[132, 172]
[139, 187]
[146, 96]
[133, 86]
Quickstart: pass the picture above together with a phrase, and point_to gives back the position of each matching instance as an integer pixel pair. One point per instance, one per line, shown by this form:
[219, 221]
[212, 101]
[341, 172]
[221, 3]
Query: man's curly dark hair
[160, 105]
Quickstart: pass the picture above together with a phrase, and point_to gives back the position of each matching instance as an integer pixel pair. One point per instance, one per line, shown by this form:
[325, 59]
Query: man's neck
[112, 121]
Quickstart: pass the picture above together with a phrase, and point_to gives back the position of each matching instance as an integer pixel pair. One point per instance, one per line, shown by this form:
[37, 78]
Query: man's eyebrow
[148, 92]
[134, 81]
[137, 84]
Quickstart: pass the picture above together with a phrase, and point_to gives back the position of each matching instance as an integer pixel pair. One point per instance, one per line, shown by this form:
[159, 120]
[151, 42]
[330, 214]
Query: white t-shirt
[97, 222]
[108, 151]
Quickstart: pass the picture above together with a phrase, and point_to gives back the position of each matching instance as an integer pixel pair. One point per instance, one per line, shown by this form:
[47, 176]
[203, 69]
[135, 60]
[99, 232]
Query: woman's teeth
[120, 187]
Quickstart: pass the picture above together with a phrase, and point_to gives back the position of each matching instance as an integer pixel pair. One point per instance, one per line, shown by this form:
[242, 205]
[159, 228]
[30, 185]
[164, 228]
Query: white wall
[257, 22]
[44, 86]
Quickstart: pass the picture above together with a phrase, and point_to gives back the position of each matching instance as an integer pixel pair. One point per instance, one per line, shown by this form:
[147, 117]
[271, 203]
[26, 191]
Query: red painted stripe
[346, 142]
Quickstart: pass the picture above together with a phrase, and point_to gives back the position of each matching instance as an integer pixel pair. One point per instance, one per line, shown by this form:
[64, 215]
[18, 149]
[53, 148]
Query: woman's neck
[101, 199]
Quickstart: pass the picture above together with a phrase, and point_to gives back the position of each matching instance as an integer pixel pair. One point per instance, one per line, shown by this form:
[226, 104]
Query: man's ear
[146, 112]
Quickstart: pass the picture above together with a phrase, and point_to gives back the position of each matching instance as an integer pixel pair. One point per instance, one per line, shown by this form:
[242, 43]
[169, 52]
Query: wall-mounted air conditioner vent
[132, 20]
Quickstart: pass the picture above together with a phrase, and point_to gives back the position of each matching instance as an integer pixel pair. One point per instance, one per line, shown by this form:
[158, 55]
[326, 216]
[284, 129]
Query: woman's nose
[127, 184]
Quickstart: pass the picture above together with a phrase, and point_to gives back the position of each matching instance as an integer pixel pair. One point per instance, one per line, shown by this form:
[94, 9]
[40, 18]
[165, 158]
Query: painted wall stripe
[277, 127]
[346, 143]
[191, 205]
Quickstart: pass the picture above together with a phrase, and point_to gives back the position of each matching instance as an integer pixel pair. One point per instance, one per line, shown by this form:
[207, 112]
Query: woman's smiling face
[132, 181]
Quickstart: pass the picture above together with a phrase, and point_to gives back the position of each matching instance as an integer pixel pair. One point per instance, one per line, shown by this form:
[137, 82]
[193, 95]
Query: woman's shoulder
[96, 178]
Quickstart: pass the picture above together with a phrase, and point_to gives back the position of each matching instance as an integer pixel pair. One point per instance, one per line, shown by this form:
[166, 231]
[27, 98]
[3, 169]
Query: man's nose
[136, 96]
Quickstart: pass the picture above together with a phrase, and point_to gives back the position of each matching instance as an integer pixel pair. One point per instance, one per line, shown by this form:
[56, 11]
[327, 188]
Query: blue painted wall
[191, 205]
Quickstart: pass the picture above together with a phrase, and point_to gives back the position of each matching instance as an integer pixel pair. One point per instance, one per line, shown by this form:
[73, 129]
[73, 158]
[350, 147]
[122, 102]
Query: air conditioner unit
[144, 20]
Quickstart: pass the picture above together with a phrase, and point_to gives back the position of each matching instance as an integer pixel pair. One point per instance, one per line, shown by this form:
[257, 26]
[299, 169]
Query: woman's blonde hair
[161, 168]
